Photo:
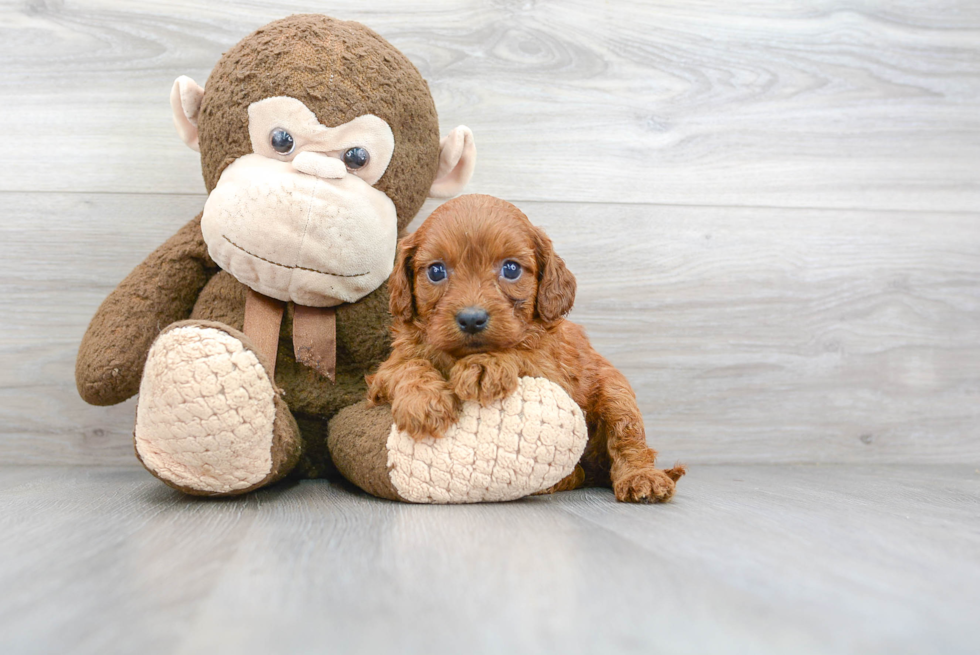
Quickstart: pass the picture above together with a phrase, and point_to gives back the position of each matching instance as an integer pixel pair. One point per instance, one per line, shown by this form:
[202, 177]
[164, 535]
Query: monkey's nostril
[472, 319]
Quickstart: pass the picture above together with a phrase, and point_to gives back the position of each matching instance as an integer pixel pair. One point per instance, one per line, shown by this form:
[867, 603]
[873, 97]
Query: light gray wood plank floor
[761, 559]
[771, 209]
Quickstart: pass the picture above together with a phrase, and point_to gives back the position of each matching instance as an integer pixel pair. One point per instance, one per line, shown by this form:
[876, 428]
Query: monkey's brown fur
[435, 365]
[340, 70]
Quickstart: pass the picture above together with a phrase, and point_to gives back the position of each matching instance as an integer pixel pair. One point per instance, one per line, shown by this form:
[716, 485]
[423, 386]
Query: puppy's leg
[485, 377]
[422, 404]
[634, 477]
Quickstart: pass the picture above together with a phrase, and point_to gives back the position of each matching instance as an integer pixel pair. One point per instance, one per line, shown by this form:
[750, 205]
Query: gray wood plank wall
[773, 209]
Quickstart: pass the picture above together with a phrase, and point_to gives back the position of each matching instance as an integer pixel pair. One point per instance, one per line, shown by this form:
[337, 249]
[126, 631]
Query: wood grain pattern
[749, 334]
[803, 104]
[761, 559]
[772, 212]
[65, 253]
[641, 135]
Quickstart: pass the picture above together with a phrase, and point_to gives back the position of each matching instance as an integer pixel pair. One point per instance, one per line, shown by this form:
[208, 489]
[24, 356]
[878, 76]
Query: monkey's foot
[209, 420]
[526, 443]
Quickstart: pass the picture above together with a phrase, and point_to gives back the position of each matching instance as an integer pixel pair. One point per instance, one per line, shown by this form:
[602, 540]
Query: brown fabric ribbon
[315, 339]
[263, 317]
[314, 332]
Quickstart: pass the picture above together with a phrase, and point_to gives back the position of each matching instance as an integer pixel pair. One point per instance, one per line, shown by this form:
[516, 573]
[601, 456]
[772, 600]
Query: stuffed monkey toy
[248, 333]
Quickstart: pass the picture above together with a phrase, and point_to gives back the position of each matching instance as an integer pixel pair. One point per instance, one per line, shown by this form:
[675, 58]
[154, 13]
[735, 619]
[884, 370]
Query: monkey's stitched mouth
[299, 268]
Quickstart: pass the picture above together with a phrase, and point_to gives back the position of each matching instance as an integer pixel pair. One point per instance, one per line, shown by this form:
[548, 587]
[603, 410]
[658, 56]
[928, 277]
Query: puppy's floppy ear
[401, 302]
[556, 284]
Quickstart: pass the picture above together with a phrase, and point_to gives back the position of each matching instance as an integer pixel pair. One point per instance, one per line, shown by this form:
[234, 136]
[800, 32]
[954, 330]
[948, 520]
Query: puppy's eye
[356, 158]
[282, 141]
[511, 270]
[436, 272]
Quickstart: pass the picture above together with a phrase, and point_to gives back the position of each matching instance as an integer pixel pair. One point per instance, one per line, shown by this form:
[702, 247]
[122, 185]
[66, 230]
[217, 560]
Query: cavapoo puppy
[478, 299]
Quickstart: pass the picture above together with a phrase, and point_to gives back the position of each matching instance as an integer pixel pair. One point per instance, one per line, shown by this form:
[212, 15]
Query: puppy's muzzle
[472, 320]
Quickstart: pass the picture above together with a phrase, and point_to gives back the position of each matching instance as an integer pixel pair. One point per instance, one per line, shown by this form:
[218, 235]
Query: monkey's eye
[436, 272]
[511, 270]
[282, 141]
[356, 158]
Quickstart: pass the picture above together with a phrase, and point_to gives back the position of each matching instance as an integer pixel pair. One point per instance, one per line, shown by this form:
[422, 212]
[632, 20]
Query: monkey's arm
[363, 329]
[158, 292]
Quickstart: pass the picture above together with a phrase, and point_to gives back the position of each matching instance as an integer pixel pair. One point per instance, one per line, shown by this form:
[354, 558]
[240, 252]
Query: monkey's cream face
[299, 218]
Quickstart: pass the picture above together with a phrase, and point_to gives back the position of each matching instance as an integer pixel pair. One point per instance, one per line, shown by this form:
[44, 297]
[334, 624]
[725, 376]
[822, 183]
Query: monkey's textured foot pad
[513, 448]
[206, 421]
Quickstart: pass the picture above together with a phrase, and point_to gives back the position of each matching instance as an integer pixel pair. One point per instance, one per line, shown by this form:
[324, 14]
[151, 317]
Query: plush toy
[248, 334]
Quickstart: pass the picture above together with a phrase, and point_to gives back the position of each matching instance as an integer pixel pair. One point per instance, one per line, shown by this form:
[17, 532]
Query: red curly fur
[435, 365]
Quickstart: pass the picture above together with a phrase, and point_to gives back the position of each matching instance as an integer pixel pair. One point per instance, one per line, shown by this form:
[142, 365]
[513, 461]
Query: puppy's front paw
[425, 413]
[483, 378]
[647, 485]
[377, 394]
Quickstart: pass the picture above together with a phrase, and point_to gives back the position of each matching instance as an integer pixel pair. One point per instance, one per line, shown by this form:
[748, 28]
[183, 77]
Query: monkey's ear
[185, 101]
[401, 300]
[457, 159]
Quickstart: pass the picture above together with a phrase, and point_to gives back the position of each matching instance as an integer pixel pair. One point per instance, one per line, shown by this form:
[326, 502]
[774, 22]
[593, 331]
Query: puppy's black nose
[472, 320]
